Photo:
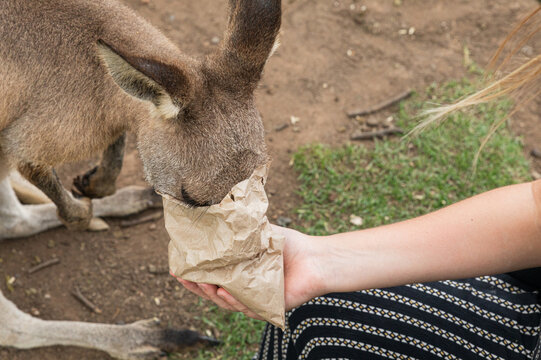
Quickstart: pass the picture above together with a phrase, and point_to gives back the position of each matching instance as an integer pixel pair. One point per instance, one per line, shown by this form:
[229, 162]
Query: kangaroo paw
[93, 185]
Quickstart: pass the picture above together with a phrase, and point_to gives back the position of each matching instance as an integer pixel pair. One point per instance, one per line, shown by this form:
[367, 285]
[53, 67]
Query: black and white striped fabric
[492, 317]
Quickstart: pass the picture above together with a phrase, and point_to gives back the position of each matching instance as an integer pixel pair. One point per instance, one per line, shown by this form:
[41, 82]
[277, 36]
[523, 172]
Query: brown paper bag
[231, 245]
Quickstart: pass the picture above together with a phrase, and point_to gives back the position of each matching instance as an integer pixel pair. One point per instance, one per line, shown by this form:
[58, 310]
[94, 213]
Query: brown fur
[196, 124]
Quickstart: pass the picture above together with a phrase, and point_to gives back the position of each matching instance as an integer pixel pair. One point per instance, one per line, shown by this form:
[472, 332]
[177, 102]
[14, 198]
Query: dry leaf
[356, 220]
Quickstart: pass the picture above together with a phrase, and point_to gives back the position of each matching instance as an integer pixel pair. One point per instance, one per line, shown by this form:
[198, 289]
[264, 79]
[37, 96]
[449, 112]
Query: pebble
[284, 221]
[356, 220]
[527, 50]
[373, 122]
[536, 153]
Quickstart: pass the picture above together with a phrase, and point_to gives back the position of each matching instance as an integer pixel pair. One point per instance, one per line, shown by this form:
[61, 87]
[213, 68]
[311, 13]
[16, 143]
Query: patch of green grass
[398, 179]
[387, 182]
[240, 335]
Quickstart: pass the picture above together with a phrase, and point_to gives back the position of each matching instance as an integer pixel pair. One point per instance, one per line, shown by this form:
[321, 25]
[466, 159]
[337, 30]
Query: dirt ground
[335, 55]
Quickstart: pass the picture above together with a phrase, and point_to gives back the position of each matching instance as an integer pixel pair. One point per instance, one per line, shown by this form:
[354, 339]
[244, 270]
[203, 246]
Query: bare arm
[494, 232]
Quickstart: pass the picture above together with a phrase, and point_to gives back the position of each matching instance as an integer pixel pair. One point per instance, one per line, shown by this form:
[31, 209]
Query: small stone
[47, 296]
[97, 225]
[34, 311]
[402, 31]
[31, 291]
[397, 2]
[51, 244]
[157, 301]
[373, 122]
[284, 221]
[388, 122]
[536, 153]
[152, 227]
[356, 220]
[152, 269]
[350, 52]
[527, 50]
[118, 234]
[361, 120]
[419, 197]
[294, 120]
[215, 40]
[411, 31]
[341, 129]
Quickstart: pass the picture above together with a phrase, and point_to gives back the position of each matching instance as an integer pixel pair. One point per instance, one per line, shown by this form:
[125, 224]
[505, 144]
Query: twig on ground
[141, 220]
[381, 105]
[43, 265]
[79, 296]
[281, 127]
[376, 134]
[117, 312]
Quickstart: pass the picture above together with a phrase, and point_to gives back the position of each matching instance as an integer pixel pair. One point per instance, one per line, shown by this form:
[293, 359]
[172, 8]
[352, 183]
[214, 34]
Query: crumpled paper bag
[232, 245]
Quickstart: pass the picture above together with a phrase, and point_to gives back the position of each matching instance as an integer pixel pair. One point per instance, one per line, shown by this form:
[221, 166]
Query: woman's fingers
[219, 296]
[193, 288]
[237, 305]
[211, 292]
[206, 291]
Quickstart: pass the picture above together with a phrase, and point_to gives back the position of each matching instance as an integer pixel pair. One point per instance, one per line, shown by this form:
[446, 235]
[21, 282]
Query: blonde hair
[517, 82]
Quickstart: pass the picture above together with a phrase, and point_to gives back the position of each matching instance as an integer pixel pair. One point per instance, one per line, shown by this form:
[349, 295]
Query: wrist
[344, 262]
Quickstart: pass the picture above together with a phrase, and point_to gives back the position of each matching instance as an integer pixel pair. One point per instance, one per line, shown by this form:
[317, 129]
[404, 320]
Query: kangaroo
[77, 75]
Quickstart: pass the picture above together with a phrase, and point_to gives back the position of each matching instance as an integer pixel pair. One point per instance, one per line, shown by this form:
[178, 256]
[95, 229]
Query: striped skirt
[491, 317]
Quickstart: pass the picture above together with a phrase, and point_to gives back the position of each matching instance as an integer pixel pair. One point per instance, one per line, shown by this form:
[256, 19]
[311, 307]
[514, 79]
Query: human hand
[303, 274]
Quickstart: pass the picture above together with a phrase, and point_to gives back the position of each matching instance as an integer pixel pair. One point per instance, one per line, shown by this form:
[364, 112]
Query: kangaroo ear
[250, 38]
[166, 86]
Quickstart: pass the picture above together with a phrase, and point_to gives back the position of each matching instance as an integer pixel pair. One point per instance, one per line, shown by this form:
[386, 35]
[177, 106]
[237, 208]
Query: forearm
[495, 232]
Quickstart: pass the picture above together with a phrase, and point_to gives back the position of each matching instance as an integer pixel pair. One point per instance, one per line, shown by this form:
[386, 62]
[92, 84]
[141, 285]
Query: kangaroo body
[75, 77]
[58, 101]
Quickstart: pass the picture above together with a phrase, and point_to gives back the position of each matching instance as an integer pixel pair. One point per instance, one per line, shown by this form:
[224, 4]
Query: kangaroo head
[204, 134]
